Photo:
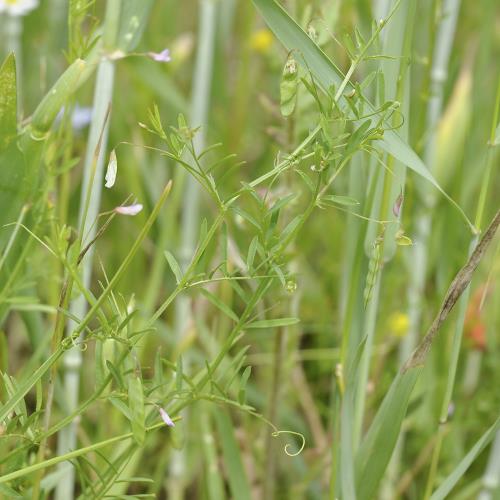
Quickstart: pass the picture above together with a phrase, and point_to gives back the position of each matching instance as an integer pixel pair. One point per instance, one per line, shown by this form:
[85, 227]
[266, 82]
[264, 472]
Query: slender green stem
[274, 401]
[73, 454]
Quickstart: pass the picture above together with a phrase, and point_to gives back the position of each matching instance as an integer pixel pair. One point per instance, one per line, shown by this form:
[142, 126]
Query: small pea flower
[18, 7]
[166, 418]
[163, 56]
[129, 210]
[111, 170]
[80, 117]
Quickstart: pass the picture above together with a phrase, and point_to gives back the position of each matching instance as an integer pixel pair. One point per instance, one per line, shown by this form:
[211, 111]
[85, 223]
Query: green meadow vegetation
[249, 249]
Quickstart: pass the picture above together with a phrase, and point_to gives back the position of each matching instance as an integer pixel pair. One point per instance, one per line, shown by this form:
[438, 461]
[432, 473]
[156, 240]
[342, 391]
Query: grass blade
[238, 481]
[8, 101]
[449, 483]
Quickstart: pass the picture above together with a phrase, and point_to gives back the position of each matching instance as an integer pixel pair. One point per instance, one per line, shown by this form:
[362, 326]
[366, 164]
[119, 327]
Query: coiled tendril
[288, 445]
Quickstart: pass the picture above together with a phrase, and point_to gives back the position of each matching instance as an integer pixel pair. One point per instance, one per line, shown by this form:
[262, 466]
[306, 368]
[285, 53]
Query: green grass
[317, 183]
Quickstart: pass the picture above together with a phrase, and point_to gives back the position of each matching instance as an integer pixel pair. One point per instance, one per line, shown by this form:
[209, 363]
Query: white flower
[17, 7]
[111, 171]
[129, 210]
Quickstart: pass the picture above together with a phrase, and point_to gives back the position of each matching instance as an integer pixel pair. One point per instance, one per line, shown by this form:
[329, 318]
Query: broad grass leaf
[215, 484]
[347, 476]
[238, 481]
[13, 188]
[378, 445]
[449, 483]
[453, 128]
[20, 162]
[8, 102]
[134, 16]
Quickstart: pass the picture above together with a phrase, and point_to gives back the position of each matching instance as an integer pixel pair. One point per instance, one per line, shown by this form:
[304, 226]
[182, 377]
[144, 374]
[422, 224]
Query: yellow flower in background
[261, 40]
[399, 323]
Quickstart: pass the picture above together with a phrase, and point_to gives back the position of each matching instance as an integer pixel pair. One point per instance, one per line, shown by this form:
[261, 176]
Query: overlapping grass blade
[238, 481]
[8, 102]
[449, 483]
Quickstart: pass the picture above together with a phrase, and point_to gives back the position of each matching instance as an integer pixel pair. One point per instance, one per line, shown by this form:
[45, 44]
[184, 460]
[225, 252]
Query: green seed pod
[288, 87]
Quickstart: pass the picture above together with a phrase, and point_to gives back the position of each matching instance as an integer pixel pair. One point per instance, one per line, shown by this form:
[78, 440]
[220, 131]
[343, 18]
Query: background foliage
[269, 295]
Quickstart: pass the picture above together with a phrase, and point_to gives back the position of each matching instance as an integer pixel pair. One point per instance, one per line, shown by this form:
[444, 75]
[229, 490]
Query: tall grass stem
[91, 190]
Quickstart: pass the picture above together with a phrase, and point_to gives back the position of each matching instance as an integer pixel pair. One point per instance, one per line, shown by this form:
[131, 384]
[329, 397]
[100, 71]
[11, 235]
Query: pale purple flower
[163, 56]
[396, 208]
[166, 418]
[80, 118]
[129, 210]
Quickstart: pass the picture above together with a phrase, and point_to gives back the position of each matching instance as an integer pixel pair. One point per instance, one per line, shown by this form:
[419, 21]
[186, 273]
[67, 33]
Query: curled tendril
[66, 343]
[288, 445]
[83, 346]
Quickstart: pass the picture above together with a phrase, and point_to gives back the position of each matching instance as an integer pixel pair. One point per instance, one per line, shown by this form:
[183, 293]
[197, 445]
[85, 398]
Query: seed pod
[373, 267]
[288, 87]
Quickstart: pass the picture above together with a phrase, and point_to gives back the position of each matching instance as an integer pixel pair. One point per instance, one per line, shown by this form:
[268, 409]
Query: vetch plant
[240, 279]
